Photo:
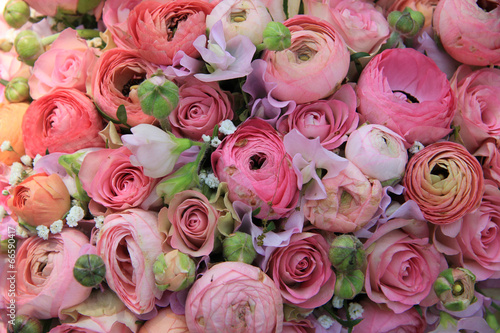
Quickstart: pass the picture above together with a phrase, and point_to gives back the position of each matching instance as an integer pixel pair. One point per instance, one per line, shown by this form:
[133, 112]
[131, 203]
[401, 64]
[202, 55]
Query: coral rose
[63, 121]
[445, 180]
[11, 118]
[234, 297]
[165, 321]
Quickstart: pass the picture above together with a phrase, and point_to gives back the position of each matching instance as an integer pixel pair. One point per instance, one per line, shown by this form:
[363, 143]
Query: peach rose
[166, 321]
[11, 118]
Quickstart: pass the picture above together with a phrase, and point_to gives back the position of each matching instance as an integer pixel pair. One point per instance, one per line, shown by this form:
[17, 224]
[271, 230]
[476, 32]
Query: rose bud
[347, 253]
[455, 288]
[277, 36]
[408, 23]
[16, 13]
[28, 46]
[174, 271]
[239, 247]
[158, 96]
[89, 270]
[17, 90]
[185, 178]
[349, 284]
[25, 324]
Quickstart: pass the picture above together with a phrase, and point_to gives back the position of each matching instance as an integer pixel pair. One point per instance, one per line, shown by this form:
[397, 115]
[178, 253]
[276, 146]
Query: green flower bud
[89, 270]
[276, 37]
[347, 253]
[158, 96]
[239, 247]
[25, 324]
[348, 285]
[455, 288]
[28, 46]
[408, 23]
[16, 13]
[174, 271]
[17, 90]
[183, 179]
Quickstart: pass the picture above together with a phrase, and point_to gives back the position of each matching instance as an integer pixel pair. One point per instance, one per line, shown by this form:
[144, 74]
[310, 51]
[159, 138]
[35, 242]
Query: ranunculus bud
[89, 270]
[158, 96]
[174, 271]
[347, 253]
[349, 284]
[25, 324]
[239, 247]
[276, 36]
[182, 179]
[16, 13]
[17, 90]
[28, 46]
[408, 23]
[455, 288]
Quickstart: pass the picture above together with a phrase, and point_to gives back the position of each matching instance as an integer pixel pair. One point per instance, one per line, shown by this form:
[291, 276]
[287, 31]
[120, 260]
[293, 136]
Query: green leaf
[359, 55]
[121, 113]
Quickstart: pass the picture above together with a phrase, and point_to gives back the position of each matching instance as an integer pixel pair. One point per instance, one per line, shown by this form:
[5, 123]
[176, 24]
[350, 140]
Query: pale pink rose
[259, 172]
[115, 17]
[65, 65]
[275, 9]
[469, 30]
[489, 154]
[193, 220]
[378, 152]
[202, 106]
[418, 105]
[165, 321]
[44, 274]
[331, 120]
[64, 121]
[129, 243]
[352, 200]
[478, 98]
[234, 297]
[313, 67]
[114, 82]
[160, 30]
[402, 265]
[302, 271]
[10, 68]
[110, 179]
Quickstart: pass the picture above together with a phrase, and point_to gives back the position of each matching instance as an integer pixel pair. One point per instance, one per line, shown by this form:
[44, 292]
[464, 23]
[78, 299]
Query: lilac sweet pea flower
[183, 65]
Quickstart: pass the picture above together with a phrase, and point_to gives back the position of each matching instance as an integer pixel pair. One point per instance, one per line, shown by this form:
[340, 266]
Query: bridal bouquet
[250, 166]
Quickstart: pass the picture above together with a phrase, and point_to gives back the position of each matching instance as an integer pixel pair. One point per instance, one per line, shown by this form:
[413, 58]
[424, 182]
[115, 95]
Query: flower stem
[83, 33]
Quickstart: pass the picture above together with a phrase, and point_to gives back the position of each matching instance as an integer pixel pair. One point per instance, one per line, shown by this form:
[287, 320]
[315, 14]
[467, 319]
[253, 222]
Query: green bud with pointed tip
[184, 178]
[408, 23]
[347, 253]
[455, 288]
[16, 13]
[25, 324]
[276, 37]
[17, 90]
[89, 270]
[348, 285]
[174, 271]
[28, 46]
[239, 247]
[158, 96]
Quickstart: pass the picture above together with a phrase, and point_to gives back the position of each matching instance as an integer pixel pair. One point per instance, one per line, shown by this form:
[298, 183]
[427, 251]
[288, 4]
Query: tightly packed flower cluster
[250, 166]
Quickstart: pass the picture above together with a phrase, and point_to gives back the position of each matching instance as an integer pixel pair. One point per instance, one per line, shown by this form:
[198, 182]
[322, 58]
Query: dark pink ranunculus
[302, 271]
[259, 172]
[405, 91]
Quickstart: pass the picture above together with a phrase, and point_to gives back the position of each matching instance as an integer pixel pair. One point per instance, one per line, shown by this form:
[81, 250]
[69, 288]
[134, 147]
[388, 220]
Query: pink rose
[64, 121]
[418, 105]
[302, 271]
[129, 243]
[402, 265]
[469, 30]
[110, 179]
[160, 30]
[115, 15]
[114, 82]
[331, 120]
[193, 220]
[166, 321]
[489, 154]
[352, 200]
[478, 97]
[313, 67]
[65, 65]
[259, 172]
[234, 297]
[201, 107]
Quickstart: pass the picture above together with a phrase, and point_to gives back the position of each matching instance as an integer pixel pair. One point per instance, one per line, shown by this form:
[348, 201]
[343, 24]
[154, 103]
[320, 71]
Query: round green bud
[158, 96]
[17, 90]
[89, 270]
[408, 23]
[239, 247]
[16, 13]
[455, 288]
[276, 37]
[25, 324]
[28, 46]
[348, 285]
[347, 253]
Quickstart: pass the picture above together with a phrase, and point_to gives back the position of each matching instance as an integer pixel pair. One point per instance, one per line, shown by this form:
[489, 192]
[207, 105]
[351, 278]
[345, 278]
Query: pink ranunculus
[193, 220]
[165, 321]
[259, 172]
[201, 107]
[44, 274]
[469, 30]
[302, 271]
[110, 179]
[11, 67]
[114, 82]
[489, 154]
[418, 105]
[352, 200]
[313, 67]
[115, 17]
[64, 121]
[160, 30]
[129, 243]
[64, 65]
[331, 120]
[93, 325]
[478, 98]
[402, 265]
[234, 297]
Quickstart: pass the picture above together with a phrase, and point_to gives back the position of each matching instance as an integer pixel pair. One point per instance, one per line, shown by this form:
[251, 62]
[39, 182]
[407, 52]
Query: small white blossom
[355, 310]
[21, 232]
[99, 220]
[16, 173]
[211, 180]
[227, 127]
[202, 175]
[56, 227]
[37, 157]
[43, 232]
[337, 302]
[326, 321]
[2, 212]
[26, 160]
[95, 42]
[74, 216]
[5, 146]
[206, 138]
[417, 146]
[215, 142]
